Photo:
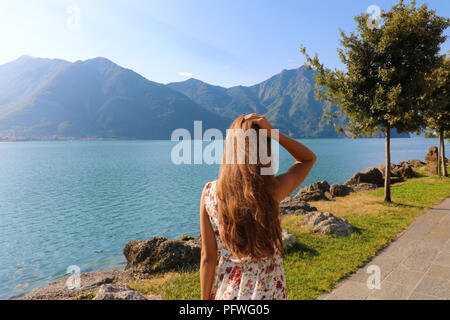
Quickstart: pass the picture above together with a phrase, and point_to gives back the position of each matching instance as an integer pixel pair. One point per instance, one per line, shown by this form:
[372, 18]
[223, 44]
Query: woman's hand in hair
[297, 173]
[260, 121]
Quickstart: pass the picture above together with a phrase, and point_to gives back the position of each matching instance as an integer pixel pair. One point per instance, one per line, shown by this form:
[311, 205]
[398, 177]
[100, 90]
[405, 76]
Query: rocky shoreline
[145, 258]
[368, 179]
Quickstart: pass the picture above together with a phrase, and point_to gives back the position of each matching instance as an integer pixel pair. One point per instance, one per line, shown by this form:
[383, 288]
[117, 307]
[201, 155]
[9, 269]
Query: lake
[79, 202]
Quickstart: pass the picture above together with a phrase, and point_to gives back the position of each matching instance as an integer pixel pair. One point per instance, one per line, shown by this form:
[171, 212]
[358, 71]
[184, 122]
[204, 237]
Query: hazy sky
[224, 42]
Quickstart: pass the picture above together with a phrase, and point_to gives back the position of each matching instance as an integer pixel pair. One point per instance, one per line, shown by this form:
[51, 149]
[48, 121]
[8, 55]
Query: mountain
[24, 77]
[286, 99]
[92, 98]
[96, 98]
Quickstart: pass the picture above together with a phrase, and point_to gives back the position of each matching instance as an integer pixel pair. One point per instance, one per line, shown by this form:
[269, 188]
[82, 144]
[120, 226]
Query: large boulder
[370, 175]
[382, 169]
[340, 190]
[311, 195]
[89, 283]
[415, 163]
[317, 191]
[364, 186]
[326, 223]
[431, 160]
[160, 254]
[405, 170]
[295, 206]
[401, 170]
[117, 292]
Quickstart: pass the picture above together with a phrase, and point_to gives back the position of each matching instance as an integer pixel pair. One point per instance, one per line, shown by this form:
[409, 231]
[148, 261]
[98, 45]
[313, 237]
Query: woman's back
[239, 213]
[250, 280]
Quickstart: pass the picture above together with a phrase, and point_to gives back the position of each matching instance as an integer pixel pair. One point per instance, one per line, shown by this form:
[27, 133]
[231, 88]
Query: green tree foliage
[437, 100]
[384, 82]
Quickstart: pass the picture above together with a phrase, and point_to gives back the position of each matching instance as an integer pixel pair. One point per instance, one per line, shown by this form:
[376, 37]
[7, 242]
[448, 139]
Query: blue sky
[225, 42]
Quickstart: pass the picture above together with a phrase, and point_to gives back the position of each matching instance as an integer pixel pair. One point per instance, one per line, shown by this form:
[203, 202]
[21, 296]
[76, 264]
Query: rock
[415, 163]
[363, 186]
[382, 167]
[89, 283]
[328, 195]
[406, 171]
[326, 223]
[160, 254]
[295, 206]
[401, 170]
[288, 239]
[340, 190]
[313, 195]
[431, 160]
[370, 175]
[323, 186]
[317, 191]
[373, 177]
[117, 292]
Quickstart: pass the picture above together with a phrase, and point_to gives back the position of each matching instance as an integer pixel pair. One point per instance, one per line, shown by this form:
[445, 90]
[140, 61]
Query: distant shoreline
[14, 139]
[58, 139]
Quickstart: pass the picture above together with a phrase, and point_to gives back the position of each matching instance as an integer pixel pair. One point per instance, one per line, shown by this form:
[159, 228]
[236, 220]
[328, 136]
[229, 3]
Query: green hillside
[93, 98]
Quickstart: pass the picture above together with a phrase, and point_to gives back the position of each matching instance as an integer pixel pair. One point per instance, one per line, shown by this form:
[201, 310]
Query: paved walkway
[415, 266]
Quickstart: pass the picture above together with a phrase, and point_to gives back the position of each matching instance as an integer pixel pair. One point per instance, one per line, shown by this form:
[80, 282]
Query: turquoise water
[79, 202]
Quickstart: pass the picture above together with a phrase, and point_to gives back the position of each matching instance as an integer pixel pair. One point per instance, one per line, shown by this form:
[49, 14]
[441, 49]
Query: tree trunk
[439, 155]
[444, 164]
[387, 174]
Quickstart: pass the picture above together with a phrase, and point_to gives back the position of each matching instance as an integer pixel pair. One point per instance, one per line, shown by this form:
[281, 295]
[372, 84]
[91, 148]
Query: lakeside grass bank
[317, 263]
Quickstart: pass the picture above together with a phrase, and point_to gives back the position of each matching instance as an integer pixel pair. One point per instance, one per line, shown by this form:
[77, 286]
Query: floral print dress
[236, 280]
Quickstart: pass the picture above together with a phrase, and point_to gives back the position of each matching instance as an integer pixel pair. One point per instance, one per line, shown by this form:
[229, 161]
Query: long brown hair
[248, 214]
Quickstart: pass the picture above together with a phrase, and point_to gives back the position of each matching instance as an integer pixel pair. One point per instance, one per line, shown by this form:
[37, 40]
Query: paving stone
[445, 219]
[420, 259]
[405, 277]
[419, 231]
[360, 275]
[432, 217]
[421, 296]
[438, 233]
[401, 248]
[350, 290]
[443, 204]
[386, 263]
[434, 286]
[443, 259]
[438, 271]
[391, 291]
[438, 244]
[419, 219]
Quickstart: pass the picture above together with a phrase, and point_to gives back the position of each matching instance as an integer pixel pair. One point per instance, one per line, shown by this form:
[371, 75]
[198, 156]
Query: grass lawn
[317, 262]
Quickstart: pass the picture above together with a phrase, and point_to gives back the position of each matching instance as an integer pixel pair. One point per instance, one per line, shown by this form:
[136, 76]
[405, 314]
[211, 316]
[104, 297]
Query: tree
[384, 81]
[437, 113]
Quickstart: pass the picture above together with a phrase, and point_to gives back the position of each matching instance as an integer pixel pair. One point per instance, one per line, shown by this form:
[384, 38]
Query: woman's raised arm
[304, 160]
[297, 173]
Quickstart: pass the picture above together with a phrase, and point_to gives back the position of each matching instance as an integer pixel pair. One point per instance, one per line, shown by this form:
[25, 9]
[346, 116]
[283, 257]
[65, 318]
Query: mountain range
[96, 98]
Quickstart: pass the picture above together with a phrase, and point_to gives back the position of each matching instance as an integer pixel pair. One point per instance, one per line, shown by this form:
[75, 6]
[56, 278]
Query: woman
[240, 219]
